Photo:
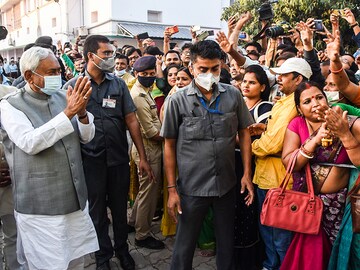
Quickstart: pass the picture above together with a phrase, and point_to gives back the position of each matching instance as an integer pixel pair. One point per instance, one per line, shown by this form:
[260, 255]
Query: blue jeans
[276, 241]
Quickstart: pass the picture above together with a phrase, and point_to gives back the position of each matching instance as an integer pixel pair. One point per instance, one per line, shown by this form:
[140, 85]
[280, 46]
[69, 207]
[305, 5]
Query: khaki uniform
[146, 200]
[129, 80]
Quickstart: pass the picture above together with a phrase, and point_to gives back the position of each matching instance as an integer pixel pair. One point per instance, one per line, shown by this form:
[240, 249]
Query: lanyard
[213, 111]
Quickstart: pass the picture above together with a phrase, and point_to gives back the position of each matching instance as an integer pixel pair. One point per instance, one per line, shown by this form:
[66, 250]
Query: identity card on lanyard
[109, 103]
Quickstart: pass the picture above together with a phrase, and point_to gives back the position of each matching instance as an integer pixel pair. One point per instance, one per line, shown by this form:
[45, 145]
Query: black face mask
[146, 81]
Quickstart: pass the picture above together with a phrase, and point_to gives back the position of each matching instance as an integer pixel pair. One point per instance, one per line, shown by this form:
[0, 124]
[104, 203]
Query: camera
[143, 36]
[278, 30]
[318, 25]
[202, 35]
[266, 12]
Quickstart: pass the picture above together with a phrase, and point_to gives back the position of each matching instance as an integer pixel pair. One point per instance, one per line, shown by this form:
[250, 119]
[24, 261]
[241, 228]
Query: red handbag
[293, 210]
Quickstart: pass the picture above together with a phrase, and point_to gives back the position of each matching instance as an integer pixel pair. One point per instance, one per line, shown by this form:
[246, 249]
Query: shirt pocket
[116, 111]
[225, 125]
[194, 128]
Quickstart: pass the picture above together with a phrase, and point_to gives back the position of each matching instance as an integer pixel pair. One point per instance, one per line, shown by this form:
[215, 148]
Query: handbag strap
[289, 169]
[355, 188]
[309, 182]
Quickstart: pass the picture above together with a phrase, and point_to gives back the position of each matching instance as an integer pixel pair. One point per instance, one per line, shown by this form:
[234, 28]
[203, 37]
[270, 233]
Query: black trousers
[108, 186]
[194, 210]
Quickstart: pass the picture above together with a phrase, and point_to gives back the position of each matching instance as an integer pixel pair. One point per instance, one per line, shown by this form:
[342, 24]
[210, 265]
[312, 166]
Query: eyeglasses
[109, 54]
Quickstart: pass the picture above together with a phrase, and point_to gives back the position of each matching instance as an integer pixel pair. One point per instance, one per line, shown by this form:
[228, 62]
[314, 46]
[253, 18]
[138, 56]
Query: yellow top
[269, 170]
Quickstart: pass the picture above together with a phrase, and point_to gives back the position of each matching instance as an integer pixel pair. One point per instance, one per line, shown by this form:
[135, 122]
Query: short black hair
[122, 56]
[132, 50]
[284, 56]
[187, 45]
[255, 44]
[172, 51]
[207, 49]
[92, 44]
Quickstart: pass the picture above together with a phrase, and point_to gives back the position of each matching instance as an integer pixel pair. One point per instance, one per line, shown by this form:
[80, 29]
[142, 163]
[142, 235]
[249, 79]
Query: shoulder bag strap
[289, 169]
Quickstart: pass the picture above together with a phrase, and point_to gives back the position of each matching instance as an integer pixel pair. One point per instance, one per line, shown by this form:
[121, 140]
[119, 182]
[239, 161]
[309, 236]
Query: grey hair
[31, 58]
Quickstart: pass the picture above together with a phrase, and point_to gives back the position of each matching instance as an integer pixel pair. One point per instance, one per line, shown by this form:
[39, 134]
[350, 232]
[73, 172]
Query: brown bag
[293, 210]
[355, 206]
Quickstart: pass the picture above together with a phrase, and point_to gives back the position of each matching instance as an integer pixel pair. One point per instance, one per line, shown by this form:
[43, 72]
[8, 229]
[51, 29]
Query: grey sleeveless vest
[51, 182]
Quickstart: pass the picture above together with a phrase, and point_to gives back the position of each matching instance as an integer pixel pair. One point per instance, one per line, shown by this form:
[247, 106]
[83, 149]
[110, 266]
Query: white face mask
[52, 84]
[120, 72]
[206, 80]
[332, 96]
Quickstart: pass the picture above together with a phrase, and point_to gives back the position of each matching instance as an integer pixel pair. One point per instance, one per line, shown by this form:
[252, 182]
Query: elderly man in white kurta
[45, 126]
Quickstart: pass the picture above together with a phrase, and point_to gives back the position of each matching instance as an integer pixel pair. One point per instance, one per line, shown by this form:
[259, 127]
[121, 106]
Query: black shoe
[150, 243]
[131, 229]
[104, 266]
[126, 261]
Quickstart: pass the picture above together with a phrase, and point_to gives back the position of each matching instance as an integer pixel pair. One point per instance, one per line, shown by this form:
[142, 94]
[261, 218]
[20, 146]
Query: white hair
[31, 58]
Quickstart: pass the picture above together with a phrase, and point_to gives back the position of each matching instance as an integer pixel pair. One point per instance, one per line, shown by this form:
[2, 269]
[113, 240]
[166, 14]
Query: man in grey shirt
[200, 127]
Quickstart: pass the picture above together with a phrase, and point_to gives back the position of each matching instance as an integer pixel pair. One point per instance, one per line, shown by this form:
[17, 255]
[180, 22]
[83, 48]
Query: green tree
[294, 11]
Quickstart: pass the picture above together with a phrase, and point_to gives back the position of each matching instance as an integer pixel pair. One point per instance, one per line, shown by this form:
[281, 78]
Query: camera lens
[274, 31]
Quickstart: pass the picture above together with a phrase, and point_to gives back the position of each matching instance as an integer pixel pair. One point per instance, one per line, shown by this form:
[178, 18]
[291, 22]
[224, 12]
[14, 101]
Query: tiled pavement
[153, 259]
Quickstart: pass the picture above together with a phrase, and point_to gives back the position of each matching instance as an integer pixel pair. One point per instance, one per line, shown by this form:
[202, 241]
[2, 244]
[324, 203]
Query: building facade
[64, 20]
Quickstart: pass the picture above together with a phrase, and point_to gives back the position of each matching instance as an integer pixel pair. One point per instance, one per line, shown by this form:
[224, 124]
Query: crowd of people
[197, 135]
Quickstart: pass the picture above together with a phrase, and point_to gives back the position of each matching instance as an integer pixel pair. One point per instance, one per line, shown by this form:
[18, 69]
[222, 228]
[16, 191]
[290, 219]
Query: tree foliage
[294, 11]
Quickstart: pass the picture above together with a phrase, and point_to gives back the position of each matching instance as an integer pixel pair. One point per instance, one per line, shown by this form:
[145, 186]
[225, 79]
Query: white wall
[185, 12]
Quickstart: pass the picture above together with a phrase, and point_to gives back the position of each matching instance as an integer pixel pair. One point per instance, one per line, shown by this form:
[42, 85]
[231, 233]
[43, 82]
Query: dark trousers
[194, 210]
[108, 186]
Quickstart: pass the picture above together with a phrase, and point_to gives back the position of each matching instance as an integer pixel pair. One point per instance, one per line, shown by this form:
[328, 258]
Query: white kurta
[49, 242]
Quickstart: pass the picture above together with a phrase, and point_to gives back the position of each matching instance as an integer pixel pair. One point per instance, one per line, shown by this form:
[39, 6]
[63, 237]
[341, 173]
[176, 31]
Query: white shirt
[49, 242]
[34, 140]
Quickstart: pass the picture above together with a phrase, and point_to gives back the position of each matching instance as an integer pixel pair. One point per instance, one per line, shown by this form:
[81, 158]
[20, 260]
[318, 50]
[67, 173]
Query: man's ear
[299, 79]
[191, 69]
[28, 76]
[90, 56]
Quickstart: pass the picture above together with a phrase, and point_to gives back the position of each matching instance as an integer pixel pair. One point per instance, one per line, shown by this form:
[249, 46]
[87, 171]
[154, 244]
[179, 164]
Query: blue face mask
[52, 84]
[1, 70]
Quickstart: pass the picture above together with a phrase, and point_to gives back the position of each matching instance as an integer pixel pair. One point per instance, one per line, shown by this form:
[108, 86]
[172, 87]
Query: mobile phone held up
[338, 12]
[242, 35]
[318, 25]
[173, 29]
[143, 36]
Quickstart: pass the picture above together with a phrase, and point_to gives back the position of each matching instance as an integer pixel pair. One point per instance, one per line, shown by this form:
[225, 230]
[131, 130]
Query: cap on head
[294, 64]
[145, 63]
[44, 41]
[153, 50]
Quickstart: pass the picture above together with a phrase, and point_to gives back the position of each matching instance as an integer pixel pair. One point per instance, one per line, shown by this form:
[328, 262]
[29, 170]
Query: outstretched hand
[333, 45]
[223, 42]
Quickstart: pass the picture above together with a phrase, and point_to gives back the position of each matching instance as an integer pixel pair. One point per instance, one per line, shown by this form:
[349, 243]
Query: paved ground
[154, 259]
